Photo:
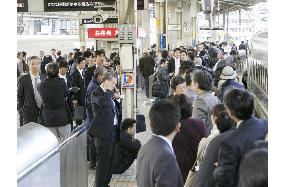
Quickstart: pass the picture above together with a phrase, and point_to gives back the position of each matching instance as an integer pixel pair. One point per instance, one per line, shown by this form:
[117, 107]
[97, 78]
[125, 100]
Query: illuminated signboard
[77, 5]
[91, 21]
[102, 32]
[22, 5]
[127, 80]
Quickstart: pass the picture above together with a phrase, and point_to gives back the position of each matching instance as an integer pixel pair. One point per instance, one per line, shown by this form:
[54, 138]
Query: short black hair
[175, 81]
[127, 123]
[164, 116]
[63, 64]
[217, 109]
[188, 79]
[185, 105]
[163, 60]
[204, 79]
[176, 49]
[233, 52]
[58, 53]
[253, 171]
[224, 122]
[164, 53]
[240, 103]
[80, 59]
[99, 52]
[87, 54]
[52, 50]
[77, 54]
[183, 52]
[214, 54]
[52, 70]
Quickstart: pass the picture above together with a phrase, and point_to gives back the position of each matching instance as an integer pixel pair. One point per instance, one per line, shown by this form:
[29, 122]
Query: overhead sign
[91, 21]
[102, 32]
[174, 27]
[77, 5]
[22, 5]
[161, 41]
[127, 80]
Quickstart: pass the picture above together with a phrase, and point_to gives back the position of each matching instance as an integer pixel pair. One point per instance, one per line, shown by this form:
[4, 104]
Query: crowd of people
[204, 128]
[202, 119]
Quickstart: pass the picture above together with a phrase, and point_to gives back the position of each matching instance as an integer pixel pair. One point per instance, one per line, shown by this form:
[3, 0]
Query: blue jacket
[229, 85]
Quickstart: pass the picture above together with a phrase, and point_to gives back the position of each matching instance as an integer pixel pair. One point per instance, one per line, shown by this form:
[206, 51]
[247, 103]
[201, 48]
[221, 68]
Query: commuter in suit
[46, 60]
[186, 142]
[74, 64]
[239, 105]
[55, 112]
[174, 63]
[88, 72]
[28, 97]
[78, 81]
[22, 66]
[146, 67]
[94, 84]
[59, 57]
[178, 85]
[205, 101]
[208, 148]
[127, 148]
[63, 73]
[104, 127]
[156, 162]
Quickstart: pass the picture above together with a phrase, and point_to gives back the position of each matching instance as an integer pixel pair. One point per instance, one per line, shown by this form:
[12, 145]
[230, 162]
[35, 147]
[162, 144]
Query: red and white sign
[102, 32]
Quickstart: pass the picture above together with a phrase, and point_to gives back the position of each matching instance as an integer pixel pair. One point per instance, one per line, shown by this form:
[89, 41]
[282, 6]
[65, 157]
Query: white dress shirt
[33, 79]
[80, 71]
[238, 124]
[167, 140]
[177, 65]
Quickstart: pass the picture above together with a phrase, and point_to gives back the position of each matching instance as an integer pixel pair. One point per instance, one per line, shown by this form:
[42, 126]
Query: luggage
[158, 89]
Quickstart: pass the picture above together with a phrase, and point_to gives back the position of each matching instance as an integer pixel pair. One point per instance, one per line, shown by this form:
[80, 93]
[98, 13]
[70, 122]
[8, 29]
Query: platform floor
[127, 179]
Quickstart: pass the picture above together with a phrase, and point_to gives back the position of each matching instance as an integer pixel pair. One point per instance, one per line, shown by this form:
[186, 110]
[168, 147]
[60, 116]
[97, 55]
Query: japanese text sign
[102, 32]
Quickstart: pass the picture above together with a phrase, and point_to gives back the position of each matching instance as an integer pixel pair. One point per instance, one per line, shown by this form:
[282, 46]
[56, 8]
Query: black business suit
[234, 147]
[26, 102]
[60, 59]
[171, 65]
[104, 132]
[54, 111]
[88, 73]
[78, 81]
[45, 60]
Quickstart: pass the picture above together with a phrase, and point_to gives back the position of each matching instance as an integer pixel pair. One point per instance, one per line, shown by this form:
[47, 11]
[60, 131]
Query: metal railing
[259, 75]
[69, 144]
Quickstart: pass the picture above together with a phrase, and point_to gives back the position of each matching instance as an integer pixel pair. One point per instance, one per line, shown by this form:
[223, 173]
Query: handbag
[79, 113]
[158, 89]
[191, 175]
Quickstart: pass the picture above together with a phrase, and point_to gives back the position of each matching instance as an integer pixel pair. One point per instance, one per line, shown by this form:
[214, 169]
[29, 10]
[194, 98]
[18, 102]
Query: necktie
[37, 95]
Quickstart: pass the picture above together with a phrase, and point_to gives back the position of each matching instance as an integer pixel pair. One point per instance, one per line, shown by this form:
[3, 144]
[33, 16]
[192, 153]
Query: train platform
[127, 179]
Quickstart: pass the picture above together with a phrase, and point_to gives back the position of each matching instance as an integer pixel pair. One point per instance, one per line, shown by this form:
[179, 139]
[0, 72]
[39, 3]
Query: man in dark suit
[59, 57]
[156, 162]
[239, 105]
[94, 84]
[104, 127]
[28, 97]
[46, 60]
[127, 148]
[146, 67]
[55, 112]
[174, 63]
[88, 72]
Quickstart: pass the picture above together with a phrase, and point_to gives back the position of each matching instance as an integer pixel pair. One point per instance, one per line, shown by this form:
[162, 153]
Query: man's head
[80, 62]
[220, 55]
[198, 61]
[254, 169]
[146, 51]
[20, 55]
[188, 79]
[164, 54]
[239, 104]
[178, 85]
[202, 80]
[185, 105]
[58, 53]
[88, 55]
[177, 53]
[129, 125]
[109, 80]
[34, 65]
[83, 48]
[53, 52]
[100, 57]
[63, 67]
[164, 117]
[99, 73]
[41, 54]
[52, 70]
[183, 56]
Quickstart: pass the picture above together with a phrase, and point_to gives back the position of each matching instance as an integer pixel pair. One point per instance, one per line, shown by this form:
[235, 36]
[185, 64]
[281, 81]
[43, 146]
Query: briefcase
[79, 113]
